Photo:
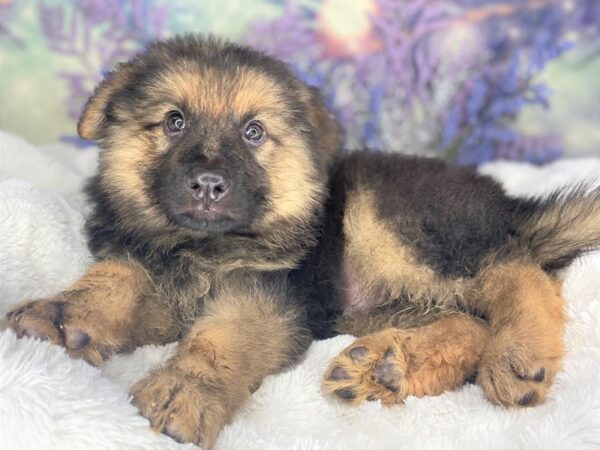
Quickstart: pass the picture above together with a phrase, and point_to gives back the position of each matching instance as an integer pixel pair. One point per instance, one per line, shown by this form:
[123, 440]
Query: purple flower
[98, 34]
[400, 89]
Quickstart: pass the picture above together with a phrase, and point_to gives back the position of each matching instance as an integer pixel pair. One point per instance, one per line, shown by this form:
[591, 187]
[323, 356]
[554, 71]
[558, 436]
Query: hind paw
[517, 371]
[372, 368]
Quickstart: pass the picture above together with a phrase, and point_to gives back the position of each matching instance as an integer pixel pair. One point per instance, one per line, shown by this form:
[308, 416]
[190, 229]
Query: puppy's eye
[255, 132]
[174, 123]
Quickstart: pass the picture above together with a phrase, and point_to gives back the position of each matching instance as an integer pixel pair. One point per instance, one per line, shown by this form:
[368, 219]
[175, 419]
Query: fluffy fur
[234, 229]
[51, 401]
[182, 258]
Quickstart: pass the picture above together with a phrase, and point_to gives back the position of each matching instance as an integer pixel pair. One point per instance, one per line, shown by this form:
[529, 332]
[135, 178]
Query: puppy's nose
[208, 186]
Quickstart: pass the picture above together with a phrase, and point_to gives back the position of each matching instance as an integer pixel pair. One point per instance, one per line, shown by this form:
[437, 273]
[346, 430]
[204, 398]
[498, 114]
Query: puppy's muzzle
[208, 187]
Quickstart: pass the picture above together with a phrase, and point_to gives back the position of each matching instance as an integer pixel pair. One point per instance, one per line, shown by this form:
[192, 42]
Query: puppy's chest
[184, 284]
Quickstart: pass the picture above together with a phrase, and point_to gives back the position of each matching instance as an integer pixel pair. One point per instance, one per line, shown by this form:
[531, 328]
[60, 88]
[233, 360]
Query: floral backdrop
[469, 80]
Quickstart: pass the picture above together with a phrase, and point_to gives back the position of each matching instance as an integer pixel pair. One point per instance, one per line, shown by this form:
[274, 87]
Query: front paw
[518, 366]
[41, 319]
[186, 407]
[58, 322]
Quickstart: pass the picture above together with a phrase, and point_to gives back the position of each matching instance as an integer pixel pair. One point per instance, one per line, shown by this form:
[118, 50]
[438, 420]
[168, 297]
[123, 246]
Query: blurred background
[468, 80]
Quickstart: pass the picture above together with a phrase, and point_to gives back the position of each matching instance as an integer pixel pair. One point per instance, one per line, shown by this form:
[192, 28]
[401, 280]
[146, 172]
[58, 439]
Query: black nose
[208, 186]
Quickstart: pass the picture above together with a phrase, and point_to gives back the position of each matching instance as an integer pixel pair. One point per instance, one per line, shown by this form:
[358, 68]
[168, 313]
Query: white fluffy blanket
[50, 401]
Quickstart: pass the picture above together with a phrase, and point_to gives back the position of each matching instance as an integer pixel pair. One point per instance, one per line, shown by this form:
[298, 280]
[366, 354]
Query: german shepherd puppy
[223, 219]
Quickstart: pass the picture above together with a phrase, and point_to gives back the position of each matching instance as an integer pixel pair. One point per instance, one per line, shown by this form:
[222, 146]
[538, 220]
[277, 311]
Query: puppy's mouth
[206, 214]
[212, 217]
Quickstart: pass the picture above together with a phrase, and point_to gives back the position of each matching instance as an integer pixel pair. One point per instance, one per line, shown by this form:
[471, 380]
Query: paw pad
[345, 394]
[527, 399]
[387, 375]
[76, 339]
[539, 375]
[339, 373]
[358, 353]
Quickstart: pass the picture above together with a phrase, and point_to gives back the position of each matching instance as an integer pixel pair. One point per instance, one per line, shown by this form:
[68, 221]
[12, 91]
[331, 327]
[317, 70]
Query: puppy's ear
[329, 132]
[93, 118]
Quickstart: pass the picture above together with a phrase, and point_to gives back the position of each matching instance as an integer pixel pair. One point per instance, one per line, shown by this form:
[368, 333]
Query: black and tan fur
[442, 276]
[435, 249]
[163, 274]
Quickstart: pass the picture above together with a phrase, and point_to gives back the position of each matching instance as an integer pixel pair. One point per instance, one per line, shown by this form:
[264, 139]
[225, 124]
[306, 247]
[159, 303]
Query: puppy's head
[201, 136]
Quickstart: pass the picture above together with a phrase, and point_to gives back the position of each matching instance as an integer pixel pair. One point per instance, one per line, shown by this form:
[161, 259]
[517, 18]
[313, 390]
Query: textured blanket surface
[49, 401]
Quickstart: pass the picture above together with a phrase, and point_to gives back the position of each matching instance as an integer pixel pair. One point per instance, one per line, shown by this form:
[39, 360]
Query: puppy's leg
[527, 322]
[391, 364]
[243, 336]
[111, 308]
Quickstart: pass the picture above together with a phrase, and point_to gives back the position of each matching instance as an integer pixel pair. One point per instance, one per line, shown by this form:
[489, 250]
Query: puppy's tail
[561, 227]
